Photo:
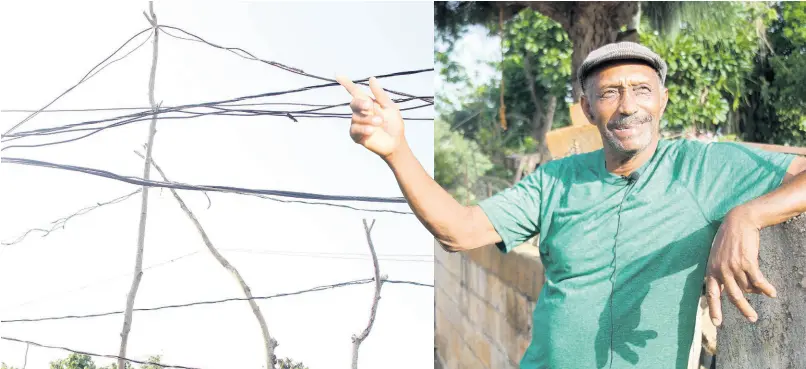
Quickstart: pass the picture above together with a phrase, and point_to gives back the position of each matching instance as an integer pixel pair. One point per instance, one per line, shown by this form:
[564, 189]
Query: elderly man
[625, 231]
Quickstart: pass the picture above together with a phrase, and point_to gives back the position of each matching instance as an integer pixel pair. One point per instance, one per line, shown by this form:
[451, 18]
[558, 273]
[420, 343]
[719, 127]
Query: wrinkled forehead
[617, 72]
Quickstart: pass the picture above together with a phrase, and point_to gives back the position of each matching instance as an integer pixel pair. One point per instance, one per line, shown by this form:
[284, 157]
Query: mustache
[629, 121]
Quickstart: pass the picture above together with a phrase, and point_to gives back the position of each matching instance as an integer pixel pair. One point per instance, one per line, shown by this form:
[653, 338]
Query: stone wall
[484, 301]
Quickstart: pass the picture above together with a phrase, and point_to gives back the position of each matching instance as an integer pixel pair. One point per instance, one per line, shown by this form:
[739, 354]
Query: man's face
[625, 101]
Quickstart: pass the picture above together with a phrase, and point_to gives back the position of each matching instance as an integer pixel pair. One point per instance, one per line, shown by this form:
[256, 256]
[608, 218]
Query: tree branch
[378, 284]
[269, 344]
[527, 70]
[540, 123]
[557, 11]
[138, 265]
[25, 363]
[59, 223]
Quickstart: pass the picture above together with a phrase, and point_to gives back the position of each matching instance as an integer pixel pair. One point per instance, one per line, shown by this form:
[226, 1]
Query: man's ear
[586, 108]
[664, 100]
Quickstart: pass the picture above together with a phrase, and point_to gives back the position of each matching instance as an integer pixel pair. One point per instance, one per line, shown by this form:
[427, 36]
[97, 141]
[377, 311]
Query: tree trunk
[775, 341]
[589, 25]
[543, 128]
[633, 29]
[592, 25]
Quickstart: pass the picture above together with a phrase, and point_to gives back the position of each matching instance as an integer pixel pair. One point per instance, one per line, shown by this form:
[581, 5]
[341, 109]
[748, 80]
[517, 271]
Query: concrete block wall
[484, 301]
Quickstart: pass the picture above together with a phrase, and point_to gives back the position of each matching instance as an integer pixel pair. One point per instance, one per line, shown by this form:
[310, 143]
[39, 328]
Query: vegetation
[80, 361]
[736, 70]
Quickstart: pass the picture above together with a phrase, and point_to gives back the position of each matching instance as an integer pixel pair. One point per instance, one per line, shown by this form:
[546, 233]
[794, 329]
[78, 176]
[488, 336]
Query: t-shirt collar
[608, 177]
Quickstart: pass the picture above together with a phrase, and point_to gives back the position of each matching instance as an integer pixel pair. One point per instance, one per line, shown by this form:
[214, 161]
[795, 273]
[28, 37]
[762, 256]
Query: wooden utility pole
[138, 265]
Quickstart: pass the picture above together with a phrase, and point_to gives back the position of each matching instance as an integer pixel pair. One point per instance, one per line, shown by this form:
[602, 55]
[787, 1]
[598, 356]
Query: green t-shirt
[625, 259]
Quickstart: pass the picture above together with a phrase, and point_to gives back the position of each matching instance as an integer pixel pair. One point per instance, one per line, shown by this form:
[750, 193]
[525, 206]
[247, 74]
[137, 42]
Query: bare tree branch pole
[378, 284]
[269, 343]
[138, 265]
[25, 363]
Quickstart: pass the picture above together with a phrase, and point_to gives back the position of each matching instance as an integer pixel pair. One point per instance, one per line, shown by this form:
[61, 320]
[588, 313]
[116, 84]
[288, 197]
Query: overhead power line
[93, 71]
[219, 105]
[118, 59]
[211, 105]
[418, 258]
[95, 355]
[83, 79]
[250, 56]
[399, 100]
[218, 110]
[60, 223]
[181, 186]
[326, 254]
[72, 292]
[212, 302]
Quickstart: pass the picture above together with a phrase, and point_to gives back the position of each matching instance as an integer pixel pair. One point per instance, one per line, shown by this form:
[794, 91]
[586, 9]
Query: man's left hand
[733, 266]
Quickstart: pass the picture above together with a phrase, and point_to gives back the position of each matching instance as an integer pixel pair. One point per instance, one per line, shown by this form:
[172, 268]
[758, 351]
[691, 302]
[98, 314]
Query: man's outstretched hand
[376, 123]
[733, 266]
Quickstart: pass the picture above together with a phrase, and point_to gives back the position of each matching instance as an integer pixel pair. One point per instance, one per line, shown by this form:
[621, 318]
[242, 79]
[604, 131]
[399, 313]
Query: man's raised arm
[378, 126]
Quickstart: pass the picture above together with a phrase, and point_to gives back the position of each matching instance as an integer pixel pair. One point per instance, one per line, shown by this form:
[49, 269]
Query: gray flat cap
[621, 51]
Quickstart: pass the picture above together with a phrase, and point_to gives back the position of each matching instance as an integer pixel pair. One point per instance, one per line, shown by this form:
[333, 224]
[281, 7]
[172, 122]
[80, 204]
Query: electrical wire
[329, 204]
[184, 108]
[95, 355]
[343, 256]
[212, 302]
[419, 284]
[399, 100]
[90, 73]
[121, 58]
[220, 111]
[326, 254]
[103, 280]
[250, 56]
[83, 79]
[181, 186]
[59, 223]
[145, 115]
[323, 255]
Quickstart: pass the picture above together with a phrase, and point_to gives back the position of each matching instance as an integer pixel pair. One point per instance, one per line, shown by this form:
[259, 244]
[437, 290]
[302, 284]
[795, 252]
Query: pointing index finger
[348, 85]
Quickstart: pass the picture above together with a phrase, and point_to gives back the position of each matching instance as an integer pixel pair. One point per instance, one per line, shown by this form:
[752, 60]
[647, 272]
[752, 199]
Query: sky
[473, 51]
[87, 266]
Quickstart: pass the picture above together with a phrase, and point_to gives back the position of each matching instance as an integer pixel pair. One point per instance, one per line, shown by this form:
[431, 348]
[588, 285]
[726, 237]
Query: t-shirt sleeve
[515, 212]
[723, 175]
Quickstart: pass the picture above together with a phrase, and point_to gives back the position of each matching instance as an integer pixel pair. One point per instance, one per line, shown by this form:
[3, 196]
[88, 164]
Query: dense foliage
[743, 77]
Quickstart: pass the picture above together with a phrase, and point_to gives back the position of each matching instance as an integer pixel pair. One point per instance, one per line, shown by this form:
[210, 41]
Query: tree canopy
[737, 70]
